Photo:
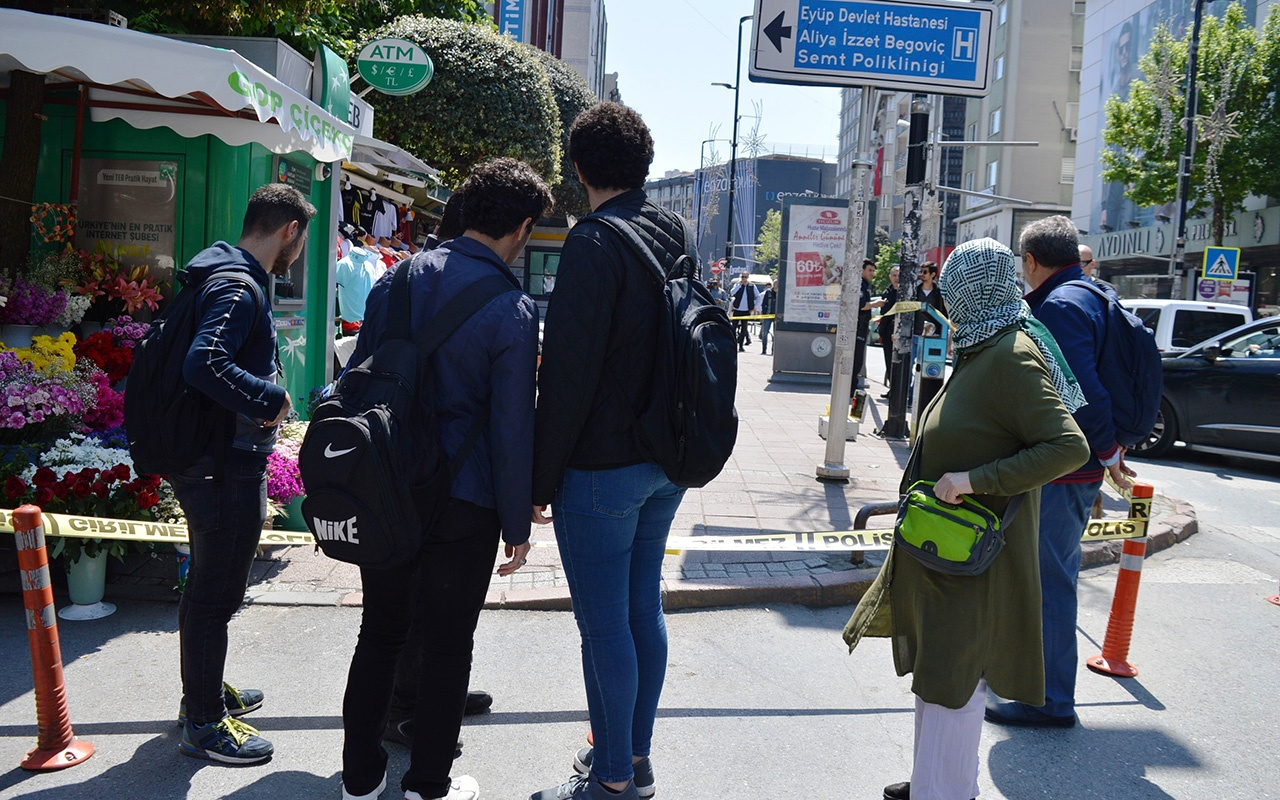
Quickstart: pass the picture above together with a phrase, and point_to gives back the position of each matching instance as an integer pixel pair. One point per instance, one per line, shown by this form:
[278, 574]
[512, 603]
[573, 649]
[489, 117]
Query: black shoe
[742, 349]
[898, 791]
[477, 703]
[400, 731]
[1022, 715]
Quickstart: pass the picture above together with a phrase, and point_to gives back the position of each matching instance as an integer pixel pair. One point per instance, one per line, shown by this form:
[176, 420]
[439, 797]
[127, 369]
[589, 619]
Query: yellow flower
[47, 354]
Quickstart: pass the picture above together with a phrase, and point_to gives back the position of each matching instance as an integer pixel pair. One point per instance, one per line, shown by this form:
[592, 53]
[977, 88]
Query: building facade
[575, 31]
[676, 191]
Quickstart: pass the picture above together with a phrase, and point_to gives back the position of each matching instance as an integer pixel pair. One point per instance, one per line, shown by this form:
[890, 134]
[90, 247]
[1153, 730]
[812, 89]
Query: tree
[888, 254]
[769, 244]
[1145, 138]
[490, 97]
[1266, 134]
[573, 96]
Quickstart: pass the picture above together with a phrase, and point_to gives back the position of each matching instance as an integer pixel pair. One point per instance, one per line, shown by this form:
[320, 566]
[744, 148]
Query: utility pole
[1178, 261]
[733, 144]
[895, 425]
[855, 247]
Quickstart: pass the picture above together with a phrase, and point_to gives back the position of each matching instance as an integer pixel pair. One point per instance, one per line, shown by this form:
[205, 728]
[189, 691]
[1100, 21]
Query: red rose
[147, 499]
[14, 487]
[88, 473]
[62, 488]
[44, 477]
[102, 489]
[43, 495]
[120, 472]
[81, 489]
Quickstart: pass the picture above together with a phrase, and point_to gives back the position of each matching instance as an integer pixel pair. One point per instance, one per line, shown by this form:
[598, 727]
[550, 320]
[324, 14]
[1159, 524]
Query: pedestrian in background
[768, 305]
[232, 360]
[745, 302]
[886, 328]
[863, 331]
[1077, 318]
[482, 378]
[958, 634]
[613, 505]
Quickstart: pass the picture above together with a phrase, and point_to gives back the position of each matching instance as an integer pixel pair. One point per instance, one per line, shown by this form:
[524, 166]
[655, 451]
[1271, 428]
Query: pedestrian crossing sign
[1221, 263]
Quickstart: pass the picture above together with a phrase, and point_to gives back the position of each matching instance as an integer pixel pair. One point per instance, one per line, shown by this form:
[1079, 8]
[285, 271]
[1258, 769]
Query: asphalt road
[760, 702]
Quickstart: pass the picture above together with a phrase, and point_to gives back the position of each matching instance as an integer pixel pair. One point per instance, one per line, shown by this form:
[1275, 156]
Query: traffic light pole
[895, 425]
[855, 249]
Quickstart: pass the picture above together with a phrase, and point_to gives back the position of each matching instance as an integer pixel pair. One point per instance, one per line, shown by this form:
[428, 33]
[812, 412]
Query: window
[1068, 170]
[994, 122]
[1002, 12]
[968, 181]
[1150, 317]
[541, 272]
[1192, 327]
[993, 173]
[999, 67]
[1077, 57]
[1259, 344]
[1079, 8]
[972, 136]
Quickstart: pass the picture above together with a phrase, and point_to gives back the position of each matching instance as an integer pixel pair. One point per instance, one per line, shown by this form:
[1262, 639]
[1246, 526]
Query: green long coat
[1001, 420]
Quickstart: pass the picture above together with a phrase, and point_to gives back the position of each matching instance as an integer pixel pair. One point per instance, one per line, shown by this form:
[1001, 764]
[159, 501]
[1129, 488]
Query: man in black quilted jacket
[612, 505]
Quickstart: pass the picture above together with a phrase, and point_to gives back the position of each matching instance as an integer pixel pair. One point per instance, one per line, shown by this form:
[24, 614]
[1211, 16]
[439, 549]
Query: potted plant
[28, 306]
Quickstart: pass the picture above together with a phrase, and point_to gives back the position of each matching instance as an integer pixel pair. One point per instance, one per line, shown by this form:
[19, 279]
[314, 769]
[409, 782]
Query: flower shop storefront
[149, 151]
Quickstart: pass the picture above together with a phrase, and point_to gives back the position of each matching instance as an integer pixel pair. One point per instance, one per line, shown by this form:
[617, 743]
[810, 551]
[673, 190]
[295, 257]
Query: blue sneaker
[643, 778]
[228, 741]
[238, 702]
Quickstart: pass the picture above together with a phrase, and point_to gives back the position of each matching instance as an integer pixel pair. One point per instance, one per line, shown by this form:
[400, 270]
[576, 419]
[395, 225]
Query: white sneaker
[463, 787]
[374, 795]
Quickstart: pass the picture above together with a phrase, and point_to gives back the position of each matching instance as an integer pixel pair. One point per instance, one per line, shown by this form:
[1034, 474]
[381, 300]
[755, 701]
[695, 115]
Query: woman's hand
[952, 486]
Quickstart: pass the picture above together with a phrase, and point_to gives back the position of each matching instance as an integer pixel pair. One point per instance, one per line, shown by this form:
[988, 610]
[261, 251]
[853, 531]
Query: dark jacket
[933, 298]
[486, 367]
[232, 358]
[769, 303]
[752, 294]
[1077, 318]
[599, 344]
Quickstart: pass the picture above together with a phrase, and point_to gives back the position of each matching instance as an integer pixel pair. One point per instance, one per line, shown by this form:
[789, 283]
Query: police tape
[1096, 530]
[753, 317]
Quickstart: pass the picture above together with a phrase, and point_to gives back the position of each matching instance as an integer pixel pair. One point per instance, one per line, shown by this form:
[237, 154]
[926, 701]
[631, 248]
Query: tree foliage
[1145, 134]
[572, 96]
[490, 97]
[770, 241]
[301, 23]
[887, 255]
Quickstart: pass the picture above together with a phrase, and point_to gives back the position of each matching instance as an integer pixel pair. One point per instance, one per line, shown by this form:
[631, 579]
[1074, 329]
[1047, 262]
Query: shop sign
[395, 66]
[128, 209]
[298, 116]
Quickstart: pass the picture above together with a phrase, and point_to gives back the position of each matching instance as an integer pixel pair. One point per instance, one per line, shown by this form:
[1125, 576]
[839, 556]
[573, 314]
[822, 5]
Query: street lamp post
[1178, 261]
[733, 144]
[700, 188]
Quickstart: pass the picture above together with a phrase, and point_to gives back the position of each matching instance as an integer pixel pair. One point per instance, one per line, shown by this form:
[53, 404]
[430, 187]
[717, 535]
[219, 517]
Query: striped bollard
[56, 746]
[1114, 659]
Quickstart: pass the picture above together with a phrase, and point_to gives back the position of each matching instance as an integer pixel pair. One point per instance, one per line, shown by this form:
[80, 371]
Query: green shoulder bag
[961, 539]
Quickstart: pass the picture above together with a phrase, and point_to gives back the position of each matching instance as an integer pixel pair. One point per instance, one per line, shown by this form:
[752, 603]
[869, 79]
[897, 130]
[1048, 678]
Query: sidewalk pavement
[768, 486]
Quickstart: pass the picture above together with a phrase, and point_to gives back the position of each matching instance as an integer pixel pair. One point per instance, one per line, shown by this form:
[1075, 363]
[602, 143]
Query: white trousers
[946, 757]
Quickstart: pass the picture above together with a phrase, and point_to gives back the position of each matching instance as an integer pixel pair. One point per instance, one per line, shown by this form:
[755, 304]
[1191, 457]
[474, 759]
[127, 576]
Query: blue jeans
[224, 521]
[766, 328]
[611, 526]
[1064, 512]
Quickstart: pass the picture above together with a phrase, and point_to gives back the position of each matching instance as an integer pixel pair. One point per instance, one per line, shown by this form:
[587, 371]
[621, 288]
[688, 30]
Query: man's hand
[518, 555]
[280, 417]
[1121, 473]
[540, 515]
[952, 486]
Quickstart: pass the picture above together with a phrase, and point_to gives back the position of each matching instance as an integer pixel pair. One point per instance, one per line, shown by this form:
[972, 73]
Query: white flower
[77, 306]
[76, 452]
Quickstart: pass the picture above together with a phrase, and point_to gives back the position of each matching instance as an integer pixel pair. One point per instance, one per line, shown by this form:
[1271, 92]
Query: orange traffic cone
[1115, 647]
[57, 746]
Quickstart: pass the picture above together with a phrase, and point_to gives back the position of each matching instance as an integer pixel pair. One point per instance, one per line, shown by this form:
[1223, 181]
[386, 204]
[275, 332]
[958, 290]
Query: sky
[667, 53]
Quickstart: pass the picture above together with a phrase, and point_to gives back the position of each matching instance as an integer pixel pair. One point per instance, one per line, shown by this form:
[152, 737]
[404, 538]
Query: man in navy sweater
[1077, 318]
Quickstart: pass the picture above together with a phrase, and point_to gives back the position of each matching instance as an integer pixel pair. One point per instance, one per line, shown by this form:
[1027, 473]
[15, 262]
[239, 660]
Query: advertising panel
[128, 210]
[811, 262]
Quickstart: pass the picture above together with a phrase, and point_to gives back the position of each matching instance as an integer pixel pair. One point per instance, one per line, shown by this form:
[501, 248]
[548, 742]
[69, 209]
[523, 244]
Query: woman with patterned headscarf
[1001, 427]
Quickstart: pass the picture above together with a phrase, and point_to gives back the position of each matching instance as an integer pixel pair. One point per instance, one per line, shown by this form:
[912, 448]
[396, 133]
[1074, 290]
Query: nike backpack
[689, 426]
[375, 473]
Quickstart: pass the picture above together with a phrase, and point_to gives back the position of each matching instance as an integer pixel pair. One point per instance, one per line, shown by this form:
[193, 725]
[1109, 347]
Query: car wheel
[1160, 441]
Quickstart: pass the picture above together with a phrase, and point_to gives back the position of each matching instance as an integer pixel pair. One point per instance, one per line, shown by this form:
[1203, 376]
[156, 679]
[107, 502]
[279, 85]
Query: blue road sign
[1221, 263]
[931, 46]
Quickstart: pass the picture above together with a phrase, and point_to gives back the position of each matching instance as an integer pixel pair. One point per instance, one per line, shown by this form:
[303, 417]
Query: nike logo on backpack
[329, 452]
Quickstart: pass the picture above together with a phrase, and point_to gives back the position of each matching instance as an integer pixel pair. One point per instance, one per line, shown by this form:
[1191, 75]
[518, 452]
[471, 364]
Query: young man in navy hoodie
[232, 360]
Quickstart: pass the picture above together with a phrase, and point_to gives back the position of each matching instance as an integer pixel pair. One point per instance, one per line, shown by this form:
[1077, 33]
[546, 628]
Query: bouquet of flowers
[126, 332]
[103, 350]
[120, 286]
[29, 303]
[284, 480]
[30, 400]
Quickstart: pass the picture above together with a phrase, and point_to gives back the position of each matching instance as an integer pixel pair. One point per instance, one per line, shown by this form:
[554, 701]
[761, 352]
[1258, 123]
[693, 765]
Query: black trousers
[445, 587]
[741, 325]
[859, 360]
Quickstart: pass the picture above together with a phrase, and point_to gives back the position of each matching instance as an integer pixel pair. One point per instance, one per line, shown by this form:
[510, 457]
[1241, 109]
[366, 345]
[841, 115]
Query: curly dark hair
[272, 207]
[450, 226]
[500, 194]
[611, 146]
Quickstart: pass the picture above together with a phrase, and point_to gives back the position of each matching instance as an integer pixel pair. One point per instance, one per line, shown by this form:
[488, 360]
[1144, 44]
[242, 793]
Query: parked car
[1179, 324]
[1223, 395]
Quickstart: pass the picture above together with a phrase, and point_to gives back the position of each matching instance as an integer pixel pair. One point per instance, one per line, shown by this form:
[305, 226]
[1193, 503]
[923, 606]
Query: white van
[1180, 324]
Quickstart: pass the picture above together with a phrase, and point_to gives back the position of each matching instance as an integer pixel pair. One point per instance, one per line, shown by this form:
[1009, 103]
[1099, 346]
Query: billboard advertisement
[811, 262]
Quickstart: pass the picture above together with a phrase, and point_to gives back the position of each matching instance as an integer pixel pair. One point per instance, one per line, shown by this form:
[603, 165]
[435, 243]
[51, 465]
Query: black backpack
[689, 425]
[1129, 369]
[375, 473]
[169, 424]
